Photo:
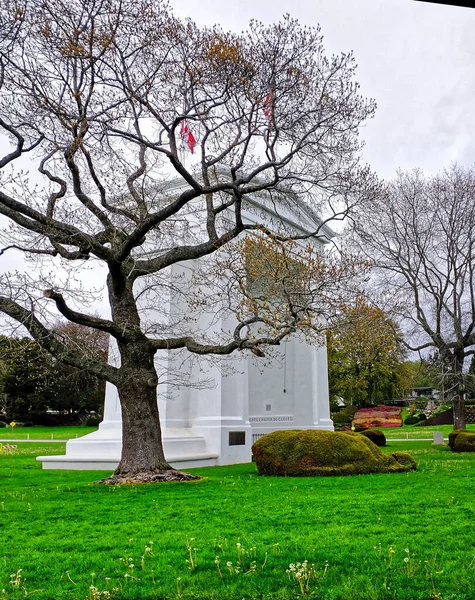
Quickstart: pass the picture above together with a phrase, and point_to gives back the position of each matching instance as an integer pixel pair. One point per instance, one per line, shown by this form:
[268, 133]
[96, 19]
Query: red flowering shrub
[379, 416]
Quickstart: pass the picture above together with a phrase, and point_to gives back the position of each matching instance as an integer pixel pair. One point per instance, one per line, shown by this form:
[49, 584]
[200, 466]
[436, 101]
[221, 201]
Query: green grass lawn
[64, 433]
[415, 432]
[233, 535]
[44, 433]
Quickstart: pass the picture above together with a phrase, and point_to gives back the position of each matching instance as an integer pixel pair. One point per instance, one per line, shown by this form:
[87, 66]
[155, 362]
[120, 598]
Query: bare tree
[420, 235]
[149, 134]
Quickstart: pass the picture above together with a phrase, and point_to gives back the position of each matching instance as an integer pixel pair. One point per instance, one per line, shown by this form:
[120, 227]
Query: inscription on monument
[270, 419]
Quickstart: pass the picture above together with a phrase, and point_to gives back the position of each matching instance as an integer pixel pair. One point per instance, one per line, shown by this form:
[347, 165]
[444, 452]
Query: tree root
[152, 476]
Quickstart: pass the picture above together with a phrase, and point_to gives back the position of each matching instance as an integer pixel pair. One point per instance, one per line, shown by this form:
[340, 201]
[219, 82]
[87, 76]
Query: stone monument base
[100, 451]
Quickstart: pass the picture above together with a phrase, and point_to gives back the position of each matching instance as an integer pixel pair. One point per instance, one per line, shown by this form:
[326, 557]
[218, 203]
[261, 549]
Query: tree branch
[51, 342]
[81, 319]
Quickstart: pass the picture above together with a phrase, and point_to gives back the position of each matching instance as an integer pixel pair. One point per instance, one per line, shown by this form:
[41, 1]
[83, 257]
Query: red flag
[268, 109]
[187, 137]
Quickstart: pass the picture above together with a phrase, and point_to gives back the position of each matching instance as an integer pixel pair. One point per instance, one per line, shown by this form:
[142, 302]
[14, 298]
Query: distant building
[425, 392]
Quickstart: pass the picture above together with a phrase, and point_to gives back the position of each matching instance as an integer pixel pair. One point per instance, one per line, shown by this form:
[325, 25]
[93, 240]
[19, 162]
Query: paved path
[14, 441]
[413, 439]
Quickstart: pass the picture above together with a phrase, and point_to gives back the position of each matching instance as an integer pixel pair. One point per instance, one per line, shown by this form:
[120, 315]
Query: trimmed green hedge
[313, 452]
[375, 436]
[411, 420]
[452, 435]
[465, 441]
[342, 418]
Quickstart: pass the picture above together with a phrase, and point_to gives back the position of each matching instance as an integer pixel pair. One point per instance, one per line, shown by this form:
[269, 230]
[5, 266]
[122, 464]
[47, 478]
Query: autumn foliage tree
[148, 134]
[365, 355]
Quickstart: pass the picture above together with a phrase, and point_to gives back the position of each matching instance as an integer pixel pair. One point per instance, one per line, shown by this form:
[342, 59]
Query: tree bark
[458, 398]
[143, 459]
[142, 447]
[458, 408]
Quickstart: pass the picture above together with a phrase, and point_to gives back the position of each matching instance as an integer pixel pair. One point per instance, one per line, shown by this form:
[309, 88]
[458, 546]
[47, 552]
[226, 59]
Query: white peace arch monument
[218, 425]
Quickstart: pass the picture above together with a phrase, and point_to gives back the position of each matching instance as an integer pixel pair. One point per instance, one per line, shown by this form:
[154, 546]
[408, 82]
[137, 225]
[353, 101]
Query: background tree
[365, 356]
[423, 373]
[108, 97]
[420, 235]
[78, 390]
[23, 379]
[32, 381]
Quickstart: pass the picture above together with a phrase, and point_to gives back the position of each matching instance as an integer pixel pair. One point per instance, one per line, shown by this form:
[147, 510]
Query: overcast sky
[417, 60]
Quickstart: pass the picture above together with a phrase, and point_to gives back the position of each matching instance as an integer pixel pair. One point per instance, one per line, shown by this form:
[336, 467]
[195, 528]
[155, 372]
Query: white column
[112, 411]
[303, 384]
[321, 398]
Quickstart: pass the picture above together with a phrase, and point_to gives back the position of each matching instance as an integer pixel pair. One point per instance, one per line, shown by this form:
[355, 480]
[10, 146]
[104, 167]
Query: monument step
[109, 448]
[110, 464]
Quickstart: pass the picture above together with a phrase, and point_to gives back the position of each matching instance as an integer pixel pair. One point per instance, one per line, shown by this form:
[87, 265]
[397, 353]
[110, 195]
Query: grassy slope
[60, 529]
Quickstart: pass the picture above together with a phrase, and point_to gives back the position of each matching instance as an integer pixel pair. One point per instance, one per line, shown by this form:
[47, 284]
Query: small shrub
[313, 453]
[411, 420]
[334, 406]
[350, 410]
[420, 403]
[375, 436]
[360, 428]
[452, 435]
[404, 458]
[93, 421]
[422, 417]
[2, 424]
[465, 442]
[342, 418]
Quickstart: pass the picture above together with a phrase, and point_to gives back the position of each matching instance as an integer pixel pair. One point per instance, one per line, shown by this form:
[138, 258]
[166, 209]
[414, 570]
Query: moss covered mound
[405, 459]
[311, 452]
[465, 442]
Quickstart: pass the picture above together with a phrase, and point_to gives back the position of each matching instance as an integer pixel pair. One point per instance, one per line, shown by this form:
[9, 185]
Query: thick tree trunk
[143, 459]
[142, 447]
[458, 399]
[458, 408]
